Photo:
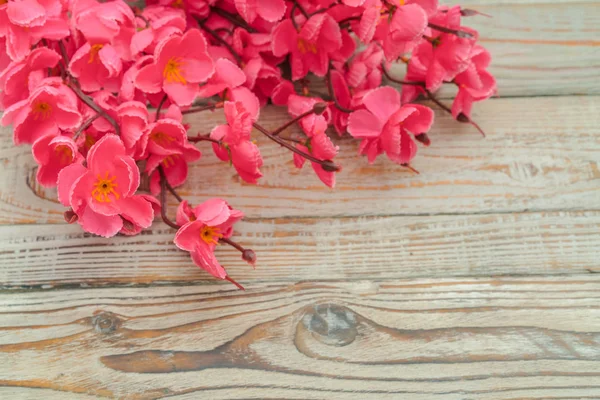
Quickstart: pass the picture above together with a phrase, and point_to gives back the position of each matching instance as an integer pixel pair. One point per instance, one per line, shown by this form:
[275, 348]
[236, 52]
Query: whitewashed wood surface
[476, 279]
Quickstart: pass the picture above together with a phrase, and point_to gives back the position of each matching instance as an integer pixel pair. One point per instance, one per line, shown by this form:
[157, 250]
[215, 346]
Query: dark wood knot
[331, 324]
[105, 322]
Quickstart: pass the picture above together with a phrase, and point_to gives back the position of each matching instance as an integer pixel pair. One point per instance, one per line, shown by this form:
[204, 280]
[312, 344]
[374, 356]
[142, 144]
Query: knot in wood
[331, 324]
[105, 322]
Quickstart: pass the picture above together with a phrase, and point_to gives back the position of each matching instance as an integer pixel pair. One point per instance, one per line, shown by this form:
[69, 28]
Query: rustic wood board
[476, 279]
[540, 154]
[534, 337]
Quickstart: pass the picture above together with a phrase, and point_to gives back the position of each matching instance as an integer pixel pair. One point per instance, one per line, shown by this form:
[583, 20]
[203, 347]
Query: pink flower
[180, 64]
[309, 49]
[364, 70]
[19, 76]
[236, 145]
[96, 67]
[269, 10]
[102, 194]
[474, 84]
[282, 92]
[227, 76]
[54, 152]
[24, 22]
[133, 120]
[167, 145]
[204, 226]
[384, 125]
[111, 23]
[131, 226]
[50, 107]
[344, 98]
[128, 90]
[163, 22]
[401, 32]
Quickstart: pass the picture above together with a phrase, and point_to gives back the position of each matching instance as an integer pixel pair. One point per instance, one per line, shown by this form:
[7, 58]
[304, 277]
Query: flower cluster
[78, 80]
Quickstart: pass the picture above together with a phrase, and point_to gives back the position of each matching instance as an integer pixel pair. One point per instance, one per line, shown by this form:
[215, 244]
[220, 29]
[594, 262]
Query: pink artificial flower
[364, 70]
[474, 84]
[19, 76]
[180, 64]
[24, 22]
[161, 23]
[168, 146]
[227, 76]
[384, 125]
[97, 67]
[203, 227]
[344, 98]
[403, 30]
[128, 90]
[101, 194]
[50, 107]
[133, 120]
[54, 152]
[269, 10]
[111, 22]
[235, 144]
[309, 49]
[131, 226]
[282, 92]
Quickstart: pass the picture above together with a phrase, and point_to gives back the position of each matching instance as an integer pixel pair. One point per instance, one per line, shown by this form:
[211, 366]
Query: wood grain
[303, 249]
[540, 154]
[425, 339]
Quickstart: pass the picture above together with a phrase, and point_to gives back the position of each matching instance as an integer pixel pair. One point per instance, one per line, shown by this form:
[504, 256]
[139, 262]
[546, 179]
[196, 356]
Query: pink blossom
[50, 107]
[24, 22]
[131, 226]
[54, 152]
[344, 98]
[180, 64]
[282, 92]
[111, 23]
[168, 146]
[235, 144]
[384, 125]
[227, 76]
[269, 10]
[133, 120]
[128, 90]
[364, 70]
[97, 67]
[309, 49]
[102, 194]
[207, 224]
[163, 22]
[19, 76]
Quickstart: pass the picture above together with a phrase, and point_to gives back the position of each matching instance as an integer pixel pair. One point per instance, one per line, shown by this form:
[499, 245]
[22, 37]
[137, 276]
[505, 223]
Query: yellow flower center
[161, 138]
[172, 71]
[3, 2]
[169, 161]
[401, 2]
[41, 110]
[177, 4]
[64, 153]
[105, 187]
[210, 234]
[94, 53]
[305, 46]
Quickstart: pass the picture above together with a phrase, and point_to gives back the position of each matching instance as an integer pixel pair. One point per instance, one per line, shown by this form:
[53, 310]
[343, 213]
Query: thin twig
[462, 34]
[202, 108]
[327, 165]
[163, 199]
[386, 73]
[85, 125]
[291, 122]
[173, 192]
[201, 138]
[332, 94]
[160, 105]
[231, 18]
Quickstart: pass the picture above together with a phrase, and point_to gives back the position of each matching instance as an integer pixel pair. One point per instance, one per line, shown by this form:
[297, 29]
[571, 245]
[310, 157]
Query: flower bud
[249, 256]
[462, 118]
[330, 166]
[70, 216]
[319, 108]
[423, 138]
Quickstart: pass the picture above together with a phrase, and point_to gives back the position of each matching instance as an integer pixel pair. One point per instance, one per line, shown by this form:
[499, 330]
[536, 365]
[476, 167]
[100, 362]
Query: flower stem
[228, 279]
[203, 138]
[203, 108]
[386, 73]
[160, 105]
[327, 165]
[85, 125]
[292, 122]
[163, 199]
[332, 93]
[459, 33]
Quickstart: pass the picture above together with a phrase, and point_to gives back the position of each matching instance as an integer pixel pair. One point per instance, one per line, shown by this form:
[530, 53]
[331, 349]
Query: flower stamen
[104, 187]
[172, 71]
[94, 53]
[210, 234]
[41, 110]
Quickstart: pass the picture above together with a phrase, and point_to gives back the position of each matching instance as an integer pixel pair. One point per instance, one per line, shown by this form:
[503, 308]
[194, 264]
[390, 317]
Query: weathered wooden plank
[307, 249]
[426, 339]
[547, 48]
[540, 154]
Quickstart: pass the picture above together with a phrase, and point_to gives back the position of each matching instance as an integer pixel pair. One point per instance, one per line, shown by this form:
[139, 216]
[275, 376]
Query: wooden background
[476, 279]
